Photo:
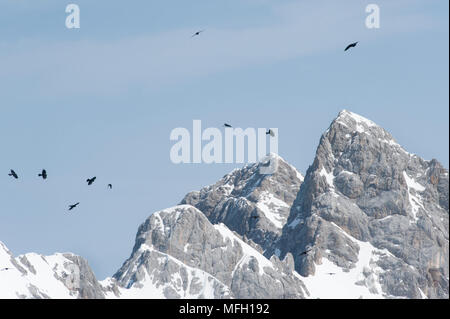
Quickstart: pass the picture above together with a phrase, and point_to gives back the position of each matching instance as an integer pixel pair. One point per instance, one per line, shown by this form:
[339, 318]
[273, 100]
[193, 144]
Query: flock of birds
[90, 181]
[43, 174]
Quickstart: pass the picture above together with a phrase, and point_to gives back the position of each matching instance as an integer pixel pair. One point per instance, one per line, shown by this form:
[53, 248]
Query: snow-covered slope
[36, 276]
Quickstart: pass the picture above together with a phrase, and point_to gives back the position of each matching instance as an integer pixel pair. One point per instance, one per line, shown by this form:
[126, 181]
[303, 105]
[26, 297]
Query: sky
[102, 100]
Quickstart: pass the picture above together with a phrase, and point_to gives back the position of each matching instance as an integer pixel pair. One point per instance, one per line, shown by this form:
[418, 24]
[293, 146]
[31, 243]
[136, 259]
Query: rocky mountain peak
[363, 187]
[253, 201]
[180, 254]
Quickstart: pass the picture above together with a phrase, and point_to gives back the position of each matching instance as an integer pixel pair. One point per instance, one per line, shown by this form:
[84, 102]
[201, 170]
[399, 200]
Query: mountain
[253, 204]
[62, 276]
[372, 213]
[179, 253]
[367, 220]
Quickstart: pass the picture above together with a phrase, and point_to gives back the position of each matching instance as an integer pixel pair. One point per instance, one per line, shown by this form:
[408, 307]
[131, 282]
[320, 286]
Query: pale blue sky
[103, 99]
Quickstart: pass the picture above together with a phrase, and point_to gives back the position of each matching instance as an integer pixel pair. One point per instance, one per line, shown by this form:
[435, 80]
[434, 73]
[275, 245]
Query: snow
[248, 251]
[422, 294]
[226, 233]
[346, 172]
[148, 287]
[328, 176]
[412, 183]
[45, 276]
[360, 128]
[299, 175]
[358, 118]
[46, 268]
[414, 199]
[272, 207]
[332, 282]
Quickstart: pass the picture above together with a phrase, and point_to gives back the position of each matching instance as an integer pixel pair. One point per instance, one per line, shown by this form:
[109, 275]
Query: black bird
[255, 217]
[73, 206]
[227, 125]
[351, 46]
[13, 174]
[270, 132]
[5, 269]
[43, 174]
[305, 252]
[331, 273]
[91, 180]
[110, 186]
[197, 33]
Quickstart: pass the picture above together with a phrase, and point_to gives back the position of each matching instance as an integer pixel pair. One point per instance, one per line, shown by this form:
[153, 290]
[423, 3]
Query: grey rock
[242, 198]
[180, 239]
[370, 187]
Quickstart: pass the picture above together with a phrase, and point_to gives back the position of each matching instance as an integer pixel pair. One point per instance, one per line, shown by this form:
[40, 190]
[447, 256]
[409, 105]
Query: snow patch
[362, 281]
[272, 208]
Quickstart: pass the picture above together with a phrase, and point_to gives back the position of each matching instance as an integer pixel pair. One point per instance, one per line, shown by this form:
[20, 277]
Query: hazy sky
[102, 100]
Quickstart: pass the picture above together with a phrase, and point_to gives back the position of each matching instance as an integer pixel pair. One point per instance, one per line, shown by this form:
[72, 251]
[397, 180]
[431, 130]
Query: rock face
[180, 254]
[368, 220]
[249, 202]
[364, 194]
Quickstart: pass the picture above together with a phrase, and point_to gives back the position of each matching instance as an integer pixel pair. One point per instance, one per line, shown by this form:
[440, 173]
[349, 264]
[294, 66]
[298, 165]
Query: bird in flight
[227, 125]
[331, 273]
[270, 132]
[351, 46]
[305, 252]
[110, 186]
[197, 33]
[73, 206]
[43, 174]
[255, 217]
[91, 180]
[5, 269]
[13, 174]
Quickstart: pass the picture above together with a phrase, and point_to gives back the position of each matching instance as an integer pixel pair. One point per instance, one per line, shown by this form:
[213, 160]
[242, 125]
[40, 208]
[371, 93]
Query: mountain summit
[372, 213]
[368, 220]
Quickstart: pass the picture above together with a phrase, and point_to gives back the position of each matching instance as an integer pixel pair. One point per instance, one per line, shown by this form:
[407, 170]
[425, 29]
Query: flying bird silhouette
[227, 125]
[5, 269]
[73, 206]
[270, 132]
[13, 174]
[110, 186]
[197, 33]
[91, 180]
[351, 46]
[305, 252]
[43, 174]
